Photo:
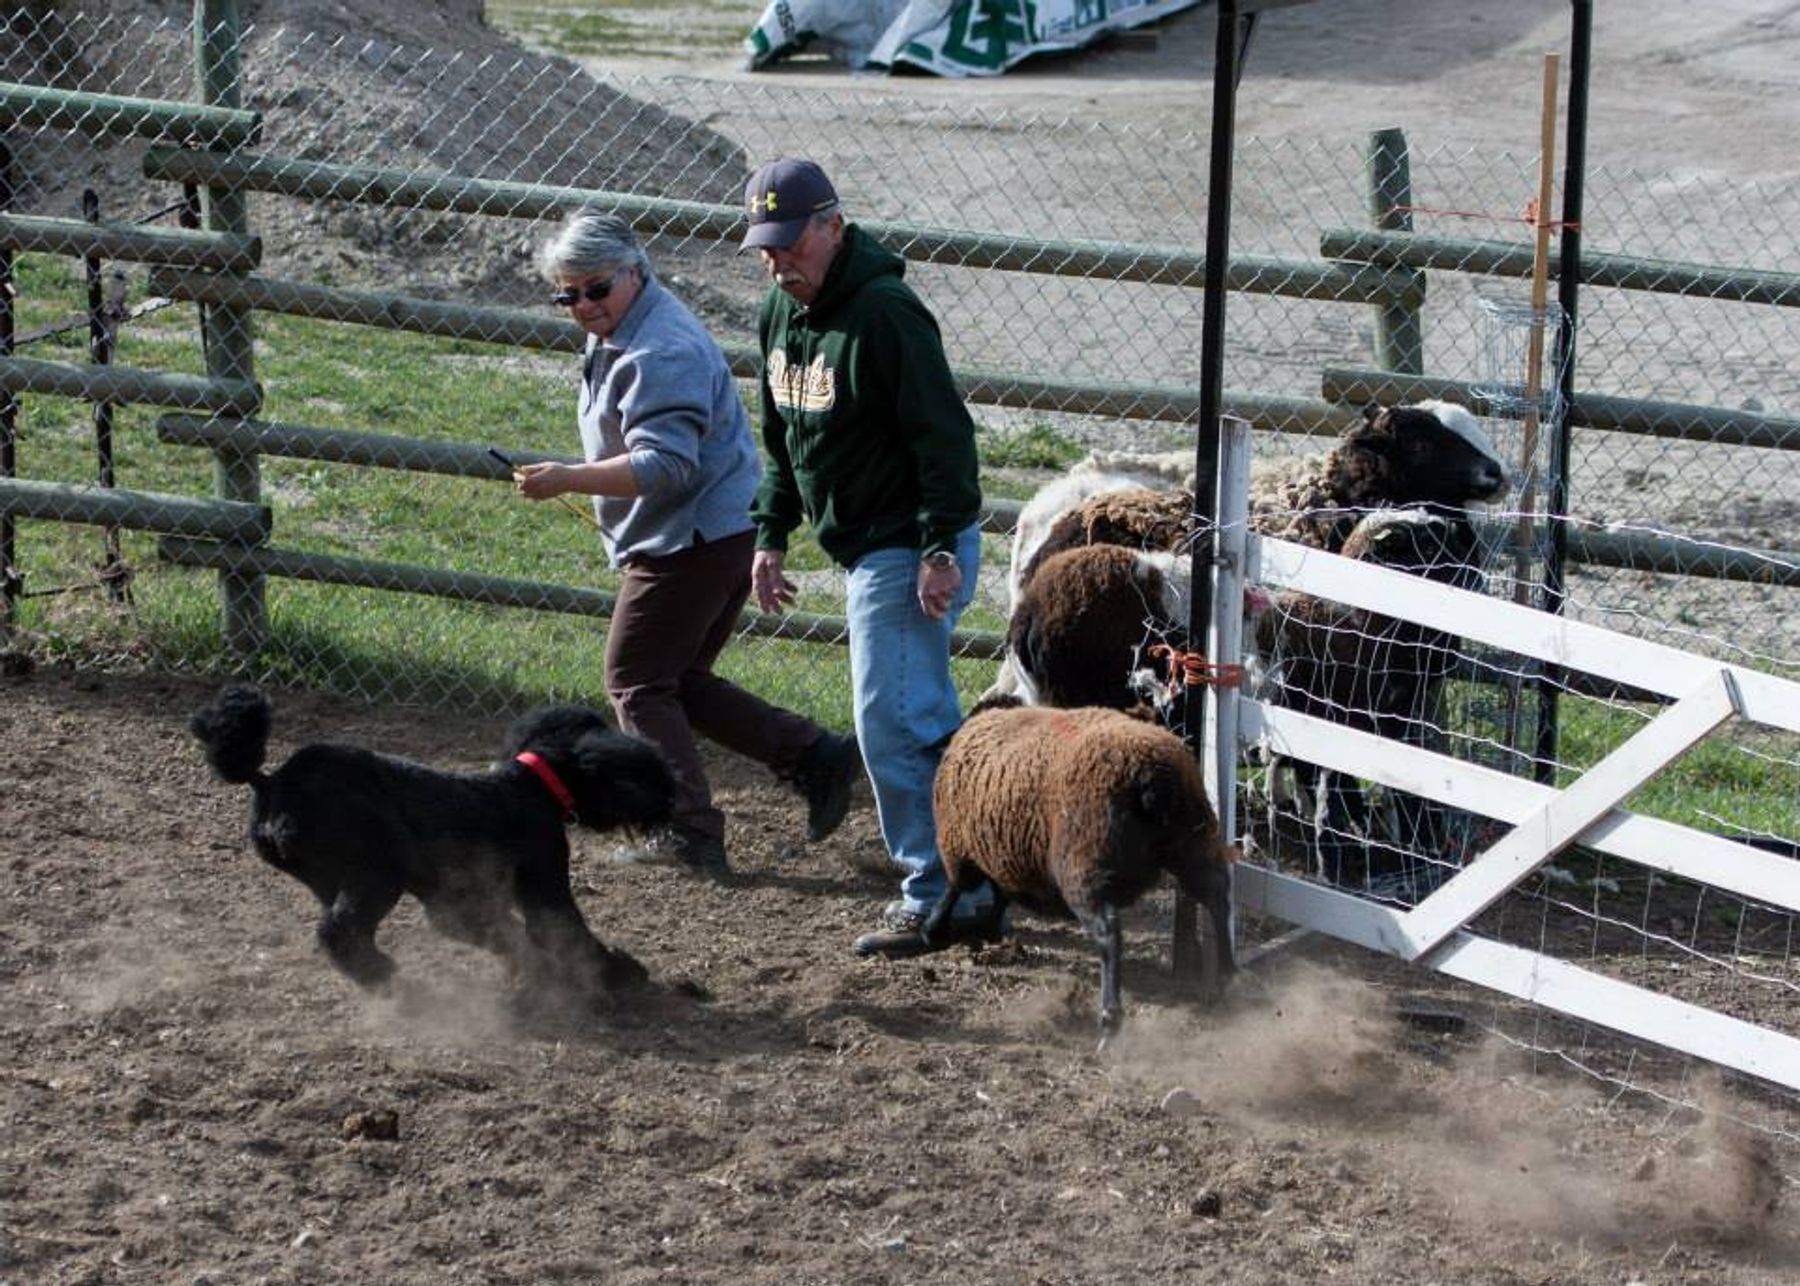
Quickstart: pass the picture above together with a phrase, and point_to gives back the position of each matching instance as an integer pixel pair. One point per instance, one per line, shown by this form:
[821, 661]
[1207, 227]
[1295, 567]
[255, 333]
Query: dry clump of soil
[190, 1094]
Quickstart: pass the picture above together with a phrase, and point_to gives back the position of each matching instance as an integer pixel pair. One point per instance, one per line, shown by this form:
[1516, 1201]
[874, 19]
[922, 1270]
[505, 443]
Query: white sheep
[1078, 813]
[1095, 474]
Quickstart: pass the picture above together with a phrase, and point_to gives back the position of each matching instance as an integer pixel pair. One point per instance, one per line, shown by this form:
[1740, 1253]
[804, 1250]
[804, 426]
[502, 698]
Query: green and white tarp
[948, 37]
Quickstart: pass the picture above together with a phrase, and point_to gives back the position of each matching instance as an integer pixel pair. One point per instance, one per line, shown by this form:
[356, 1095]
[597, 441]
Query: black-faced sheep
[1368, 671]
[1086, 623]
[1078, 813]
[1430, 453]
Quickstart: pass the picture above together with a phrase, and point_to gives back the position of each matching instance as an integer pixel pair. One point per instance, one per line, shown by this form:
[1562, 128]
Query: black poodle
[485, 854]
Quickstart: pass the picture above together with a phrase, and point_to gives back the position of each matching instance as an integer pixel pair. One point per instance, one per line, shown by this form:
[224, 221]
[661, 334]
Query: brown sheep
[1078, 813]
[1088, 620]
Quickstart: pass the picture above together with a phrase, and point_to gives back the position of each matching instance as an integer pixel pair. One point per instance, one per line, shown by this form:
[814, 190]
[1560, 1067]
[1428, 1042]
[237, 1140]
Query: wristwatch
[942, 558]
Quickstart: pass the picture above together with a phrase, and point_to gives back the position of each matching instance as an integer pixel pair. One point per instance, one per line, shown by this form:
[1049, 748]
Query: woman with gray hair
[671, 464]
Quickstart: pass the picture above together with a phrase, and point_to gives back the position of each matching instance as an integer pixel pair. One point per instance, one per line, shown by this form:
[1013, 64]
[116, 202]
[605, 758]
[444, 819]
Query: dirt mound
[403, 85]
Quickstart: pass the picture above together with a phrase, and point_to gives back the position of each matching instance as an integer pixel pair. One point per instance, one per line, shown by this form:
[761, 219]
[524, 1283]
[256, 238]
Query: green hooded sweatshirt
[868, 439]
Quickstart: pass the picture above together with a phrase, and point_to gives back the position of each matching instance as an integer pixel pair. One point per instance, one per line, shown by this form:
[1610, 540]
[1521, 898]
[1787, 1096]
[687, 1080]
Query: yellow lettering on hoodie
[795, 388]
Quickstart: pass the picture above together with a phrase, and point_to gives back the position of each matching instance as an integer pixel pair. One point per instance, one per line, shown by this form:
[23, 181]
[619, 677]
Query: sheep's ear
[1378, 423]
[999, 701]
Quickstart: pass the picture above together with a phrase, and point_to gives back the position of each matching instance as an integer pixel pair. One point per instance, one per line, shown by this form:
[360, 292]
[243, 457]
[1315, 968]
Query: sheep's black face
[1445, 461]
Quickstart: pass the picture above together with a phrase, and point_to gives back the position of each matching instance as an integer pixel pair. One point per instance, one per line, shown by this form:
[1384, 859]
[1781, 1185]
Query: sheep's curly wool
[1086, 621]
[1072, 810]
[1099, 472]
[1360, 667]
[1433, 453]
[1136, 518]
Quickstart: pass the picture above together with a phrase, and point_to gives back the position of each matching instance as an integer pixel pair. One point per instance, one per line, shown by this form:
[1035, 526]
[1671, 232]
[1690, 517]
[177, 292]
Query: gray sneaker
[902, 933]
[685, 845]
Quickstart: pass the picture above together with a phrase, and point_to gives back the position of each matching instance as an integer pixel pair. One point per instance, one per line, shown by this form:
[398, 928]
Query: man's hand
[938, 585]
[774, 591]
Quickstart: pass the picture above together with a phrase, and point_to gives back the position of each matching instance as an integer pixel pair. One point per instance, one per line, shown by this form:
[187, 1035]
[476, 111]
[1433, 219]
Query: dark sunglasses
[593, 292]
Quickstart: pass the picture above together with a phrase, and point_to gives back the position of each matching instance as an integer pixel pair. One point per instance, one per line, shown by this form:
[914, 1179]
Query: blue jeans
[906, 706]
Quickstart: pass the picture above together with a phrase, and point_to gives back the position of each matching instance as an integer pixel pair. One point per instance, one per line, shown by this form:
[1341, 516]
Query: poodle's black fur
[484, 853]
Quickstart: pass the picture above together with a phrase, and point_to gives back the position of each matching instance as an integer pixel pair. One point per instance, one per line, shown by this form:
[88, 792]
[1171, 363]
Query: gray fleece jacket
[659, 389]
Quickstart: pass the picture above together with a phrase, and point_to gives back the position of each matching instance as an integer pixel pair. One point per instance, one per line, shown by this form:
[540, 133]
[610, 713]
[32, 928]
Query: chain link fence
[1095, 309]
[246, 420]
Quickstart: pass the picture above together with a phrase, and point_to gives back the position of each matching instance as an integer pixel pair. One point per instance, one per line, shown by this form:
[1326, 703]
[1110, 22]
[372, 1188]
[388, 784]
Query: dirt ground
[1673, 85]
[186, 1086]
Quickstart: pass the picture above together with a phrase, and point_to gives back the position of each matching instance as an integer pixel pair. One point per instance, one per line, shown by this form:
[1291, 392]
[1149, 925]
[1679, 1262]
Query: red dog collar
[552, 783]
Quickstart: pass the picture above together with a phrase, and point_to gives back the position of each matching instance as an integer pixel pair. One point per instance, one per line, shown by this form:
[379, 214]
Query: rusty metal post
[104, 310]
[11, 582]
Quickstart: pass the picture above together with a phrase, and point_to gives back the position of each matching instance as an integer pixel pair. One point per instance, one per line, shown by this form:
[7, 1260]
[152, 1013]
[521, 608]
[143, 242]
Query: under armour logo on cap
[780, 198]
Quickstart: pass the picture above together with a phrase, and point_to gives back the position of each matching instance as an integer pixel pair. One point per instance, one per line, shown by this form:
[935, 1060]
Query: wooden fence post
[229, 346]
[1399, 328]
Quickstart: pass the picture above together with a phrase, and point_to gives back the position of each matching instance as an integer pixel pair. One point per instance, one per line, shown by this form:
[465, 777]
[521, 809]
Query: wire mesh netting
[254, 433]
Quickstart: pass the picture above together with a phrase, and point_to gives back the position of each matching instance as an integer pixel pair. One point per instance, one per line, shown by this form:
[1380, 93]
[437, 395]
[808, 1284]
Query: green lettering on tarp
[997, 25]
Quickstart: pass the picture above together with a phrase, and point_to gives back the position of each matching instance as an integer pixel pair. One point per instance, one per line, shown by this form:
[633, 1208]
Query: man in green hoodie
[869, 442]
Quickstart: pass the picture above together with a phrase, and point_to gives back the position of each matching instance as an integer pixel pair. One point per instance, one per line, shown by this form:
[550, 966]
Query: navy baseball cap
[780, 198]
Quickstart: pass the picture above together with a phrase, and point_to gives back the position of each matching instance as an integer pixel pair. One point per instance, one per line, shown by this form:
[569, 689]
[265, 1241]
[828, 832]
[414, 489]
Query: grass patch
[1741, 776]
[418, 649]
[1037, 446]
[378, 644]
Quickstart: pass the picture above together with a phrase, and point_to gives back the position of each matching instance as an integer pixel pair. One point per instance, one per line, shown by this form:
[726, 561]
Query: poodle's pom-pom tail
[234, 728]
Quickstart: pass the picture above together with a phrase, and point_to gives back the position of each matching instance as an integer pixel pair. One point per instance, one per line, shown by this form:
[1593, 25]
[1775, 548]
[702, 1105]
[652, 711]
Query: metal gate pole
[1568, 298]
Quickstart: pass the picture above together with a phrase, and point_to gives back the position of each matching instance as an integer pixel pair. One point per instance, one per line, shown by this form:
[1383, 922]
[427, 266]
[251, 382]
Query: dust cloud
[1314, 1051]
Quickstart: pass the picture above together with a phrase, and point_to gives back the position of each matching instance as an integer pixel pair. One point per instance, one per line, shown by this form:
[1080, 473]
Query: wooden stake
[1540, 297]
[1524, 537]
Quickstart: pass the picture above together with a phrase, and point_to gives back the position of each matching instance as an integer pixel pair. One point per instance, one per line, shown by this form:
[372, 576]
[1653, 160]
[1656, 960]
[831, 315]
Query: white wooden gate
[1705, 694]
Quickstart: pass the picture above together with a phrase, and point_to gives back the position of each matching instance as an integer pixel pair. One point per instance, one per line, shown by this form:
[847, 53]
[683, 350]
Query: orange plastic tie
[1192, 669]
[1529, 217]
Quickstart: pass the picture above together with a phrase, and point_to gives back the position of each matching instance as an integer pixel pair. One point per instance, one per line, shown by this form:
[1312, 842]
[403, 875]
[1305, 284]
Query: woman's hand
[774, 591]
[541, 481]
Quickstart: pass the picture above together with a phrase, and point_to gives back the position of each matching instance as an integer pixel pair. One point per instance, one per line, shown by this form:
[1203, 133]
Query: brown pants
[673, 617]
